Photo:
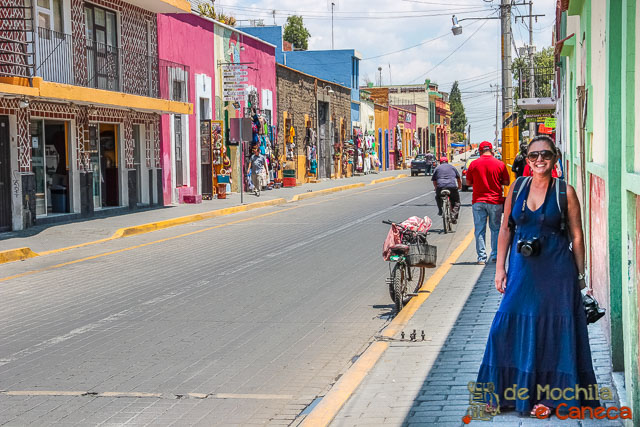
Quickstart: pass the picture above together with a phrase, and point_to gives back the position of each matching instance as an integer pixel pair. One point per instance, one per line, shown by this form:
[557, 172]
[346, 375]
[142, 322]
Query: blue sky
[380, 27]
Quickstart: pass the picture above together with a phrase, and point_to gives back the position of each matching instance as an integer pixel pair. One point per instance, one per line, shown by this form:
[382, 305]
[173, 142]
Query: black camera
[530, 247]
[592, 308]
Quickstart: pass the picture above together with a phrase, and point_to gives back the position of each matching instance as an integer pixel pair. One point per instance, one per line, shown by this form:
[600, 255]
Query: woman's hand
[501, 280]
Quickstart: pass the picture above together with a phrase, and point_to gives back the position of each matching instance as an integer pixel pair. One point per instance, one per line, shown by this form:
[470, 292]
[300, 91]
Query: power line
[457, 9]
[357, 15]
[451, 54]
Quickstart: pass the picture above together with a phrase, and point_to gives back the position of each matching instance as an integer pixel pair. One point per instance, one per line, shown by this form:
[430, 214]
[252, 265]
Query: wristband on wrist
[580, 276]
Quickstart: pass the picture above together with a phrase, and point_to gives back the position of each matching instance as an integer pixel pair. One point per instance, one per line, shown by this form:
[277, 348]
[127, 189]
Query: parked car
[465, 186]
[419, 164]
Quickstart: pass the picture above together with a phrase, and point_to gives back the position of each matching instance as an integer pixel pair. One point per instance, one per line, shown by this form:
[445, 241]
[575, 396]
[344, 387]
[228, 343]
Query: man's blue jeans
[482, 211]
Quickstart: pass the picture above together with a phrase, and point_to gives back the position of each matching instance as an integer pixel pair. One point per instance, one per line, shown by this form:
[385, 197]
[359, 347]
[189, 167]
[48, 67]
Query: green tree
[296, 33]
[458, 119]
[457, 137]
[209, 11]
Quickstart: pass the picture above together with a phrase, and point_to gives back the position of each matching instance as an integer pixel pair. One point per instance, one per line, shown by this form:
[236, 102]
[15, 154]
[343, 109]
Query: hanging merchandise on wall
[291, 138]
[311, 151]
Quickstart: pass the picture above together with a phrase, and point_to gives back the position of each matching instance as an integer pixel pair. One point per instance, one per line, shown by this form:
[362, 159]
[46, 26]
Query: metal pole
[332, 6]
[532, 77]
[242, 165]
[507, 87]
[497, 115]
[465, 145]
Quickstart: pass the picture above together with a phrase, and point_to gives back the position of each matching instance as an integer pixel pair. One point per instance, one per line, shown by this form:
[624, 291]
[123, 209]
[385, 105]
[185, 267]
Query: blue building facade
[340, 66]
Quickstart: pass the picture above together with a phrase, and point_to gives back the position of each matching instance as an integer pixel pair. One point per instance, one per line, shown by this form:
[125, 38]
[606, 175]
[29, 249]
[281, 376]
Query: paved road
[244, 319]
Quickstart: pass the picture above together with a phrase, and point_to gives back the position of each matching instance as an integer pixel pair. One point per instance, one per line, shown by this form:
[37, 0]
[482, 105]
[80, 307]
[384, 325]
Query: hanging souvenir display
[217, 142]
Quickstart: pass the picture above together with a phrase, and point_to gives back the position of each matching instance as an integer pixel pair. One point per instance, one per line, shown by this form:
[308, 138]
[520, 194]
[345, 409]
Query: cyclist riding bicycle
[447, 177]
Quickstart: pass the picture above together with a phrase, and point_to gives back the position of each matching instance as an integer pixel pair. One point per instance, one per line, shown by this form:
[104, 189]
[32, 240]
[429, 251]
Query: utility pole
[497, 116]
[380, 72]
[465, 145]
[507, 87]
[333, 4]
[274, 16]
[531, 54]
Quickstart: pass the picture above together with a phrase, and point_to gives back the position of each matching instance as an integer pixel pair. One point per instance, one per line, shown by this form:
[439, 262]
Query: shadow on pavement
[443, 398]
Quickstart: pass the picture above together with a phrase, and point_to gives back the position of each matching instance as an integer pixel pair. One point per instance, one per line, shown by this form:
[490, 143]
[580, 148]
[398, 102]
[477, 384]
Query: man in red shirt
[487, 175]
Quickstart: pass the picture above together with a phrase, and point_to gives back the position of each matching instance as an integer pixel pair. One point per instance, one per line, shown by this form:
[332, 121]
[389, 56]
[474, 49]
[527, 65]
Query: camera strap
[520, 183]
[563, 203]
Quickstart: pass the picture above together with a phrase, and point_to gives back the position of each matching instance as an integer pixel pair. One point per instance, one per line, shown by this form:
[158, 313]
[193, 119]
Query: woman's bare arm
[504, 240]
[576, 234]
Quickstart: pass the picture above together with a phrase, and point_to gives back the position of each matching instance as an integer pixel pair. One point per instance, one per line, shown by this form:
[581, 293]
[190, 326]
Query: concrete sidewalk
[425, 382]
[51, 237]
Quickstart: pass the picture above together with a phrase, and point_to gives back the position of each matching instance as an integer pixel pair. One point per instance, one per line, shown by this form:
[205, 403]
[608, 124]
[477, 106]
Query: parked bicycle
[408, 260]
[447, 215]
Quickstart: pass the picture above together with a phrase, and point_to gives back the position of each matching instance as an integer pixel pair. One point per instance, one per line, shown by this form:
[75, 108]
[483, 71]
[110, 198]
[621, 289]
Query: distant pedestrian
[447, 177]
[487, 175]
[258, 168]
[520, 161]
[430, 158]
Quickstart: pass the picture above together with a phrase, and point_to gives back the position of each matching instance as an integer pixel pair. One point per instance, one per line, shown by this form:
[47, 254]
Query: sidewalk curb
[19, 254]
[159, 225]
[318, 193]
[326, 410]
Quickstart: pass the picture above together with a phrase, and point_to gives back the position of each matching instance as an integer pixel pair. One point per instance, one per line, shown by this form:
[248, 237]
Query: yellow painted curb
[159, 225]
[16, 255]
[311, 194]
[326, 410]
[402, 175]
[378, 181]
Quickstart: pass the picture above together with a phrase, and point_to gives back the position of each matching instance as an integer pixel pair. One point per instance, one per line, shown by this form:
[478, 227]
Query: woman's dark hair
[548, 140]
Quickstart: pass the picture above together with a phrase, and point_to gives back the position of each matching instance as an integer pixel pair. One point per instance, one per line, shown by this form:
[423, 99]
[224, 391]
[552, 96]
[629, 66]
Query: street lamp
[456, 29]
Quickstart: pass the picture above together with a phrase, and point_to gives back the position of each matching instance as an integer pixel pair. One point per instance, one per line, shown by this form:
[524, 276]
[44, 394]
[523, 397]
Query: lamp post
[509, 124]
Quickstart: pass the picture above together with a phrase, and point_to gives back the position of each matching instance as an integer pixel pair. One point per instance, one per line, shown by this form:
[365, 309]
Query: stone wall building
[314, 119]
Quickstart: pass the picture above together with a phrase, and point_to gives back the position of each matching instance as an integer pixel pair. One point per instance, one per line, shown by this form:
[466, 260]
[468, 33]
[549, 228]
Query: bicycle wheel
[398, 276]
[446, 226]
[417, 278]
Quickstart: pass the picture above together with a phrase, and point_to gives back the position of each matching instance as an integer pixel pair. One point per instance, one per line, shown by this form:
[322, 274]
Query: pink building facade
[185, 139]
[191, 160]
[402, 126]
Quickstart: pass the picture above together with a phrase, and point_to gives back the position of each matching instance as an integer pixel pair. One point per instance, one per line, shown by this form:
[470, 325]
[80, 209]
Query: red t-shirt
[487, 175]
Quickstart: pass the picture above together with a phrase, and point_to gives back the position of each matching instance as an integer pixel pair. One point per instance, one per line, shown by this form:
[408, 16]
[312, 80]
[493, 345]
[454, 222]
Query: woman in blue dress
[538, 337]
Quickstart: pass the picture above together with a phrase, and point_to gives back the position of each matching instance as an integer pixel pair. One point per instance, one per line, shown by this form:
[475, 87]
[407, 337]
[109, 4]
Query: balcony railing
[54, 56]
[542, 79]
[102, 66]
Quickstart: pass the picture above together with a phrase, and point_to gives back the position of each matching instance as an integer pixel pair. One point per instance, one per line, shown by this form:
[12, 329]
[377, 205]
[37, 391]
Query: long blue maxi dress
[539, 334]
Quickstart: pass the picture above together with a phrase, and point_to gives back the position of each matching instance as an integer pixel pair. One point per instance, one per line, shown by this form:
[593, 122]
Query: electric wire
[451, 54]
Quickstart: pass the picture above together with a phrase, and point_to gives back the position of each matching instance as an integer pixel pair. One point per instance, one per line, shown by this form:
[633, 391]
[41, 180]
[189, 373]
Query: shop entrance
[50, 162]
[5, 175]
[104, 163]
[324, 141]
[206, 167]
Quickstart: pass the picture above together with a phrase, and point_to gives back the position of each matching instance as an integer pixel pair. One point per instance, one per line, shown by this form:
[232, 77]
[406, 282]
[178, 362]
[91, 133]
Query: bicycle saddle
[400, 249]
[445, 192]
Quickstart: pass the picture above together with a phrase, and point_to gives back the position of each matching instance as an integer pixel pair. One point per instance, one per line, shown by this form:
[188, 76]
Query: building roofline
[402, 109]
[312, 76]
[206, 18]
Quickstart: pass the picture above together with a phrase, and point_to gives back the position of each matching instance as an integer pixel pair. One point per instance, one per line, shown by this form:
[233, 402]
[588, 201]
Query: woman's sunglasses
[546, 155]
